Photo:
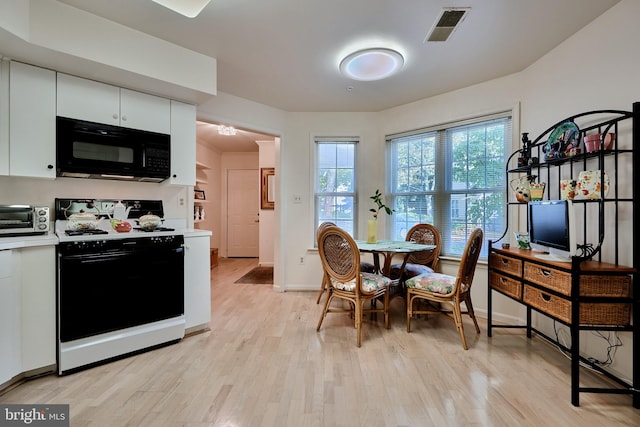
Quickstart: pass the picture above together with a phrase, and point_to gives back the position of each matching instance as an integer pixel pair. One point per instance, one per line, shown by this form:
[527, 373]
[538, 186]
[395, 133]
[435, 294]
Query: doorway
[240, 149]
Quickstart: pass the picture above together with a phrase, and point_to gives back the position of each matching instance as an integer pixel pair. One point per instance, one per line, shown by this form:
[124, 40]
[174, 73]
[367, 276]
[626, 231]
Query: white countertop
[17, 242]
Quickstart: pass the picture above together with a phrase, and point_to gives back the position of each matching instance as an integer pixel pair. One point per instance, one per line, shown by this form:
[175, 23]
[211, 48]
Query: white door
[243, 195]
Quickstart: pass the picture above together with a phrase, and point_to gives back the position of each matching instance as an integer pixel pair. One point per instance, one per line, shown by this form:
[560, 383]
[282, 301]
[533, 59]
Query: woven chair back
[339, 254]
[425, 234]
[322, 227]
[470, 259]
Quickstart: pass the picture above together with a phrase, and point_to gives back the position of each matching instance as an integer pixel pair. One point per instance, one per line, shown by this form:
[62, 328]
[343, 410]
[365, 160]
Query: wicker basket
[605, 286]
[506, 264]
[605, 314]
[557, 280]
[601, 314]
[506, 285]
[550, 304]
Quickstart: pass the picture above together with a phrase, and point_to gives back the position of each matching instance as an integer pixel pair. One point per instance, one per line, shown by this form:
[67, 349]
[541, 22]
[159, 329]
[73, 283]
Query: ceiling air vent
[446, 24]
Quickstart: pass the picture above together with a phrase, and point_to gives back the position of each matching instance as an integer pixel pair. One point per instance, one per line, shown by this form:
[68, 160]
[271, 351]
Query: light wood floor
[263, 364]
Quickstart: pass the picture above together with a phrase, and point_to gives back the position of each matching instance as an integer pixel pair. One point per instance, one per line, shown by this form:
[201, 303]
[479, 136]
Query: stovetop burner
[151, 230]
[84, 232]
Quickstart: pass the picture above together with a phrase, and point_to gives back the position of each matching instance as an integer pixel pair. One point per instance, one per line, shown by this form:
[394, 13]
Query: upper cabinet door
[32, 121]
[92, 101]
[88, 100]
[4, 117]
[145, 112]
[183, 144]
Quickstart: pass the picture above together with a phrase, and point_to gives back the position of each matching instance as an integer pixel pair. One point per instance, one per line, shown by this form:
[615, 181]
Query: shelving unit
[588, 293]
[198, 211]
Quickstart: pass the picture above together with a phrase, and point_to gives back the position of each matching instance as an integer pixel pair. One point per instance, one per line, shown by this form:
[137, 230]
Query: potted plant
[372, 224]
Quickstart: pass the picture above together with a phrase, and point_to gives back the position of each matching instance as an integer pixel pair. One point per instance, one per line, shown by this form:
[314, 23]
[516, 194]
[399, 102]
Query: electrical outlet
[107, 206]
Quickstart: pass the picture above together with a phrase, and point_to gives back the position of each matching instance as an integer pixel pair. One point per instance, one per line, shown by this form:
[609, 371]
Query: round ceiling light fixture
[371, 64]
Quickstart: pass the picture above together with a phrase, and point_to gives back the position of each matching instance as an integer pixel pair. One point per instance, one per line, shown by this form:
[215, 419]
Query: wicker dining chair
[448, 291]
[340, 258]
[365, 267]
[419, 262]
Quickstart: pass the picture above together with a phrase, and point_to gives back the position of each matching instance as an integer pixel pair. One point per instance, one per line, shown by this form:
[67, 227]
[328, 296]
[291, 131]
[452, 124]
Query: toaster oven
[18, 220]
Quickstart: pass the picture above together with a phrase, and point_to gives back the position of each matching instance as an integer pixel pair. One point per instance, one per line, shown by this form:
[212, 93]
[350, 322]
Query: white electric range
[118, 293]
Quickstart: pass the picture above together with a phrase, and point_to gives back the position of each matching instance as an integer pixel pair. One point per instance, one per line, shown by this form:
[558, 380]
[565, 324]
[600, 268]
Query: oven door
[116, 288]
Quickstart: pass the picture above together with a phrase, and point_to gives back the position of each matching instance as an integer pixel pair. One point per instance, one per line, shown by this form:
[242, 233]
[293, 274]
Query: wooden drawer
[557, 280]
[506, 285]
[506, 264]
[590, 313]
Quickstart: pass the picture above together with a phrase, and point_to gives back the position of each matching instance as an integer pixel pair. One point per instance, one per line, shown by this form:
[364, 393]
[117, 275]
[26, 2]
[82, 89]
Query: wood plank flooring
[263, 364]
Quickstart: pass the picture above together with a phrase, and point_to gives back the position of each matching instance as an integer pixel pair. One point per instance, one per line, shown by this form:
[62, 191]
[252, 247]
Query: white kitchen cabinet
[38, 313]
[88, 100]
[183, 144]
[27, 310]
[143, 111]
[197, 283]
[98, 102]
[32, 121]
[10, 346]
[4, 117]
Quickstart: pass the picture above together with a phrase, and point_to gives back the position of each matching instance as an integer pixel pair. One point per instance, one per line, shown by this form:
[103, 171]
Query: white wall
[267, 159]
[42, 192]
[213, 221]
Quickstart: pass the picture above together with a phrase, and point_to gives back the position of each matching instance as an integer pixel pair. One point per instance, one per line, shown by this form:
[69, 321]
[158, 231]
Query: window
[335, 186]
[452, 177]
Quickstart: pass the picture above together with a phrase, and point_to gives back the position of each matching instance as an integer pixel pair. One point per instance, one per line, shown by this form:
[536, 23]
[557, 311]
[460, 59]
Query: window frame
[440, 212]
[316, 142]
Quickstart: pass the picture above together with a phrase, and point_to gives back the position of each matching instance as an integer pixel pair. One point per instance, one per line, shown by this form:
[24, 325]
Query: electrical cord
[612, 347]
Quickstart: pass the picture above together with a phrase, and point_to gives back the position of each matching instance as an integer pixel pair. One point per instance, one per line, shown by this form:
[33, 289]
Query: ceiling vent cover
[448, 21]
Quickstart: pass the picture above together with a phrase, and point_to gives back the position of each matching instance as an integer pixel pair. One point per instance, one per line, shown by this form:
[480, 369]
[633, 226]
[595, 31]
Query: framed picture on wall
[267, 188]
[199, 195]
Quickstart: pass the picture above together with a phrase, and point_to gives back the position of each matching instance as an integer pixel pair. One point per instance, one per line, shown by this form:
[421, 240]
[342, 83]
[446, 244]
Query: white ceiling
[285, 53]
[243, 141]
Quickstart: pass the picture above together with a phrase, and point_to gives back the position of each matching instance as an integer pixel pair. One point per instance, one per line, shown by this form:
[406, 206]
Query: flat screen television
[552, 229]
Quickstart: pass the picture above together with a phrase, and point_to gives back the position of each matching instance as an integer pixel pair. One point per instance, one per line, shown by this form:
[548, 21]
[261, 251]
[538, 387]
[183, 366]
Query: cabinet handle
[115, 116]
[503, 279]
[124, 118]
[49, 166]
[545, 272]
[545, 297]
[504, 260]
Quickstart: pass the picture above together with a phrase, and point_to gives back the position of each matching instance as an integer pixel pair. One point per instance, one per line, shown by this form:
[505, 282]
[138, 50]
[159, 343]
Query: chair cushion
[432, 282]
[370, 282]
[410, 270]
[367, 267]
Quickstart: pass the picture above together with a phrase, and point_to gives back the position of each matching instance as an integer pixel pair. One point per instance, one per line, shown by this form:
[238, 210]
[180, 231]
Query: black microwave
[94, 150]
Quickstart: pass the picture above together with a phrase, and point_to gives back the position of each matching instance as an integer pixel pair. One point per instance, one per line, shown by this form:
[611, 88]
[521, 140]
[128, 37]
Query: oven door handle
[98, 257]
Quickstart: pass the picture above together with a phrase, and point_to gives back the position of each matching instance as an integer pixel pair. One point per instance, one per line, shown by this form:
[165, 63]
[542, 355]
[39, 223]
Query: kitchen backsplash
[33, 191]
